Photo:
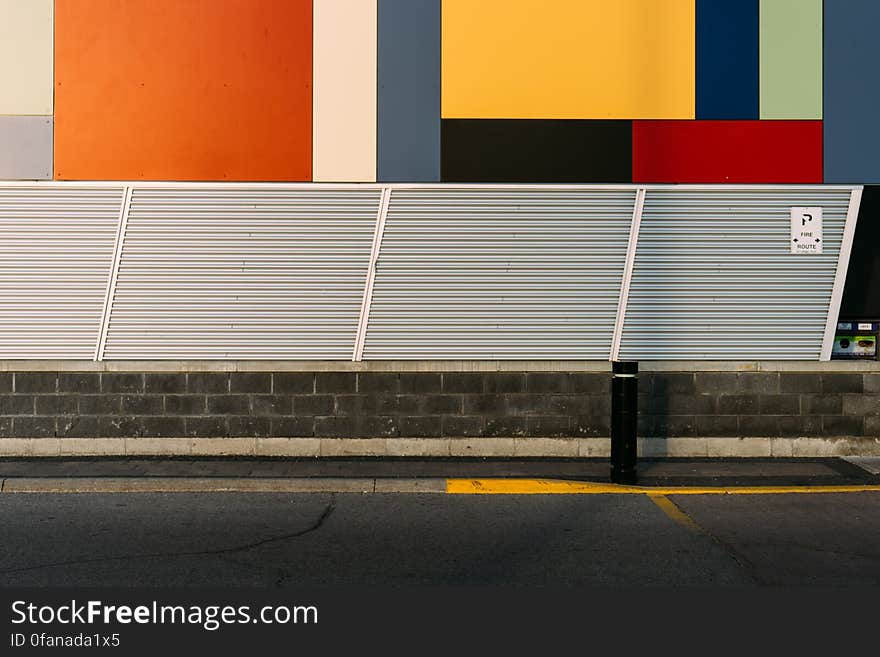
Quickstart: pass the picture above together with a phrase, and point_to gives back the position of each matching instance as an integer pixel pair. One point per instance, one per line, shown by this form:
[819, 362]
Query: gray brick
[525, 404]
[648, 404]
[442, 405]
[271, 405]
[407, 405]
[504, 382]
[122, 382]
[375, 426]
[801, 382]
[420, 382]
[313, 405]
[81, 382]
[165, 383]
[683, 426]
[691, 404]
[779, 405]
[483, 405]
[872, 426]
[16, 404]
[293, 383]
[420, 426]
[590, 383]
[592, 426]
[861, 404]
[335, 427]
[57, 405]
[549, 426]
[5, 382]
[800, 426]
[759, 426]
[716, 425]
[462, 426]
[715, 383]
[556, 383]
[5, 427]
[840, 383]
[186, 404]
[33, 427]
[674, 383]
[506, 427]
[228, 404]
[759, 383]
[100, 404]
[569, 405]
[738, 404]
[645, 383]
[77, 427]
[821, 404]
[41, 383]
[292, 427]
[376, 382]
[162, 427]
[206, 427]
[143, 405]
[467, 382]
[350, 405]
[118, 426]
[336, 382]
[600, 406]
[249, 426]
[842, 425]
[207, 383]
[871, 382]
[259, 383]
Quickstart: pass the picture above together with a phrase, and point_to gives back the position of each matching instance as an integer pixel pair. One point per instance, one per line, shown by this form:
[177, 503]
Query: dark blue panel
[409, 91]
[727, 59]
[851, 91]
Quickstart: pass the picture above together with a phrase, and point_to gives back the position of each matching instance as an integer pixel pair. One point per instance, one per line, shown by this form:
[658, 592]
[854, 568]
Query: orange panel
[194, 90]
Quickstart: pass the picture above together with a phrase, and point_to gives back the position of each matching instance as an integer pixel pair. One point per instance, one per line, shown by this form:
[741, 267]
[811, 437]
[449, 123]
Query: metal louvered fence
[181, 271]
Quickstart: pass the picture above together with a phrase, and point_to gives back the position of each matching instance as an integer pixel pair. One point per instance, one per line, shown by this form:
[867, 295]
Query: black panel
[861, 294]
[536, 151]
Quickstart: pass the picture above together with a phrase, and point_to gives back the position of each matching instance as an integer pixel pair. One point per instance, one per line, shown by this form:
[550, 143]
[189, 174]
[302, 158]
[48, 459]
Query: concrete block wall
[479, 405]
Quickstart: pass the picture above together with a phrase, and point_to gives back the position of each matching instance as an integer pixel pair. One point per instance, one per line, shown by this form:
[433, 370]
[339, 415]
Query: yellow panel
[568, 59]
[26, 83]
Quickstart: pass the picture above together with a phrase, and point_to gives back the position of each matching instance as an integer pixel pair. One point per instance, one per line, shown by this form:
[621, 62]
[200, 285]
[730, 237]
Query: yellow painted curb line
[556, 487]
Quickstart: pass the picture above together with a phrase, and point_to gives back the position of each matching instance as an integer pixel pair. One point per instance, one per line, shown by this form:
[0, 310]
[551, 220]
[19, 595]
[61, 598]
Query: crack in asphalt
[328, 511]
[738, 558]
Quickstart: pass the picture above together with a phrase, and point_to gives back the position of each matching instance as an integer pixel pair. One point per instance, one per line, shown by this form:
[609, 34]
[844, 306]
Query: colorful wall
[706, 91]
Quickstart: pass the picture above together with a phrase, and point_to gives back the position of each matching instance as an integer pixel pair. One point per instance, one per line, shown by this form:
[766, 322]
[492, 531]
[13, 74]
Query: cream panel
[26, 56]
[344, 119]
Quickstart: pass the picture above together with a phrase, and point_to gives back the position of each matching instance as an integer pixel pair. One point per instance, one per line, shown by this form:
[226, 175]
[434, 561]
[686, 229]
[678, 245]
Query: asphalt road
[285, 540]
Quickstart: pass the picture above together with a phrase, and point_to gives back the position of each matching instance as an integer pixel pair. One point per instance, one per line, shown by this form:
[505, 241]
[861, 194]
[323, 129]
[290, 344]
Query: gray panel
[852, 91]
[26, 147]
[56, 253]
[242, 273]
[505, 273]
[714, 277]
[409, 91]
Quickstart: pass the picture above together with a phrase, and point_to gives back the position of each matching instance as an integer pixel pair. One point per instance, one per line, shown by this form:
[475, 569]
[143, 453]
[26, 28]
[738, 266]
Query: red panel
[727, 151]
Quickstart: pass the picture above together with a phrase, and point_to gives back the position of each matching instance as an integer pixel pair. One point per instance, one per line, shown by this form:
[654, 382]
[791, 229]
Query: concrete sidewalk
[435, 475]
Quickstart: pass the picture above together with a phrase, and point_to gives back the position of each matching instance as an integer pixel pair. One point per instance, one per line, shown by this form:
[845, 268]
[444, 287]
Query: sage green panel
[791, 59]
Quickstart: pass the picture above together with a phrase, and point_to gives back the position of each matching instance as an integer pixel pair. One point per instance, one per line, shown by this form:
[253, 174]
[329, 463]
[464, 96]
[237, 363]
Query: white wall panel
[344, 116]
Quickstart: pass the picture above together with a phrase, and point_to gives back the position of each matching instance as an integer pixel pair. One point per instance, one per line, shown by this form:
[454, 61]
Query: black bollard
[624, 419]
